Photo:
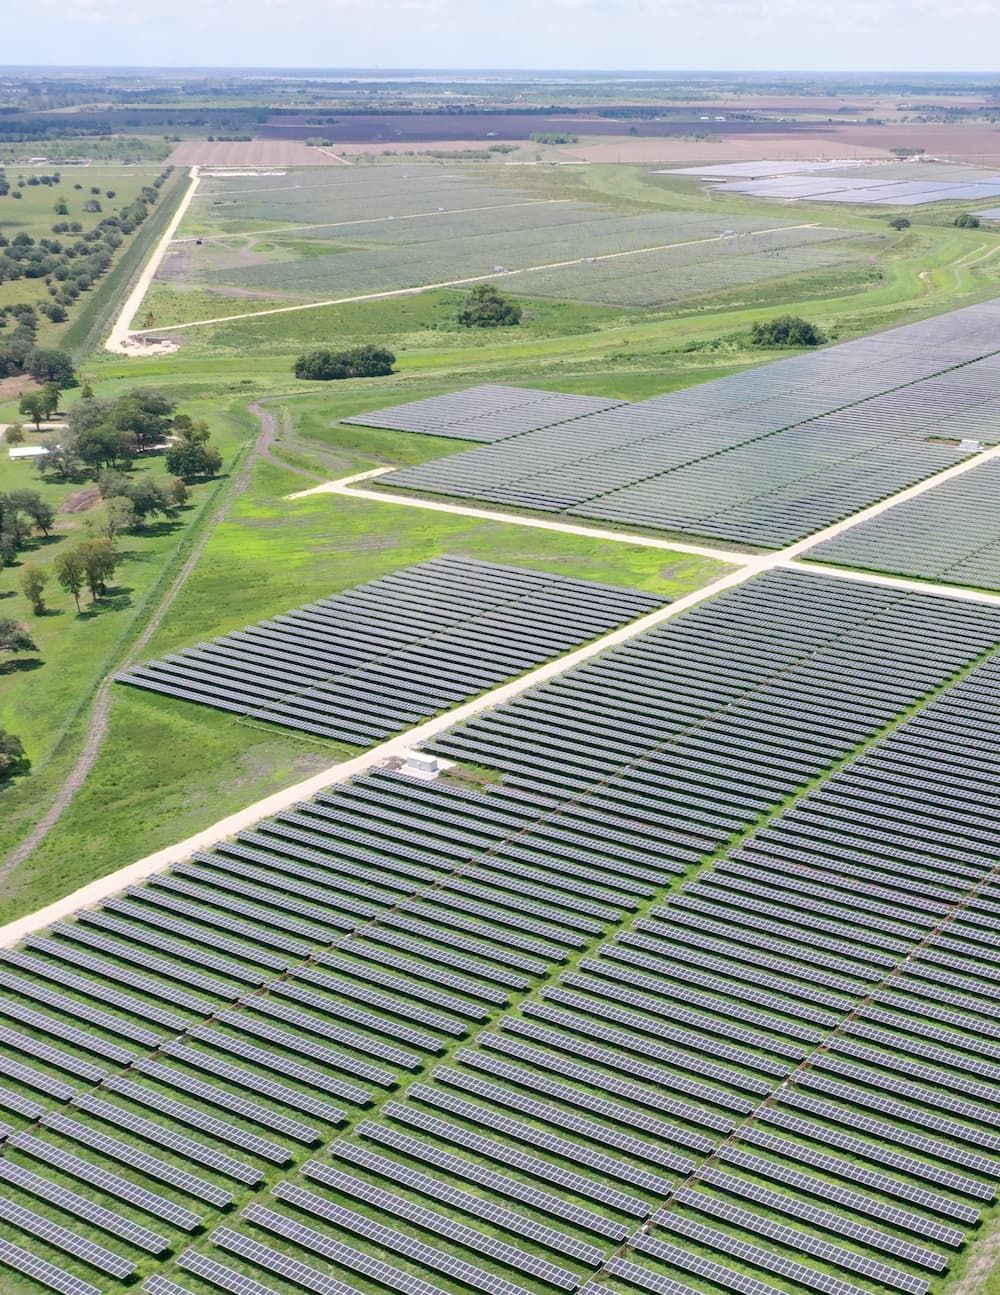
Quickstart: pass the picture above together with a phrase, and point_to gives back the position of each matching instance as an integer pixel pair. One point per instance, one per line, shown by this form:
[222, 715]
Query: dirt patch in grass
[81, 500]
[10, 387]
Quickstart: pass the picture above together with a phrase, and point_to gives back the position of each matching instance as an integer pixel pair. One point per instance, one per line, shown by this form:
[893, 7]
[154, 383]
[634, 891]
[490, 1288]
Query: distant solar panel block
[950, 534]
[379, 658]
[485, 413]
[764, 457]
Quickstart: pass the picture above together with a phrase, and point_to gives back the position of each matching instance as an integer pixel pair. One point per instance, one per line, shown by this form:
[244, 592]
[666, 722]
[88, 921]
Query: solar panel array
[364, 664]
[795, 1054]
[877, 1152]
[763, 457]
[904, 184]
[485, 413]
[702, 723]
[951, 533]
[870, 190]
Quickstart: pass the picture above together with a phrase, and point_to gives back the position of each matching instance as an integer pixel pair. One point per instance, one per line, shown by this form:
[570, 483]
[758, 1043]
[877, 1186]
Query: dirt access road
[120, 338]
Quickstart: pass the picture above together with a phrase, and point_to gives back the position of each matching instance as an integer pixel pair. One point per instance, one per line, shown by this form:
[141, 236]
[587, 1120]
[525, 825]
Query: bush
[486, 307]
[358, 362]
[967, 221]
[786, 330]
[12, 757]
[899, 222]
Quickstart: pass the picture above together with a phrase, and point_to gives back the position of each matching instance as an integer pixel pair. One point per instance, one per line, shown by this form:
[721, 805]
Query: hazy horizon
[684, 36]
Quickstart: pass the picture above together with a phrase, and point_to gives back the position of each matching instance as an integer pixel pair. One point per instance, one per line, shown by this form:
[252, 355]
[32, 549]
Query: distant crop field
[253, 152]
[351, 232]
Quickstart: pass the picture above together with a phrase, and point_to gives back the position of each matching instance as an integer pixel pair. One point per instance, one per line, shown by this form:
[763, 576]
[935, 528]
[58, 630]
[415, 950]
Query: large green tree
[70, 573]
[786, 330]
[487, 307]
[191, 456]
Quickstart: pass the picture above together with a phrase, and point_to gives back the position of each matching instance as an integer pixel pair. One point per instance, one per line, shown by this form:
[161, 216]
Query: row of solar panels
[763, 457]
[367, 663]
[951, 533]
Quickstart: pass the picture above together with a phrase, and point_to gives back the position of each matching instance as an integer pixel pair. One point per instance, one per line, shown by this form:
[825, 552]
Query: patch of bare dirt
[80, 501]
[10, 387]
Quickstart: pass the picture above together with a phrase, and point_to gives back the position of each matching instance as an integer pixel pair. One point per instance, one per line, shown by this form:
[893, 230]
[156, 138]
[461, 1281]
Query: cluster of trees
[102, 434]
[70, 266]
[487, 307]
[23, 513]
[38, 406]
[89, 564]
[129, 502]
[19, 352]
[786, 330]
[357, 362]
[967, 220]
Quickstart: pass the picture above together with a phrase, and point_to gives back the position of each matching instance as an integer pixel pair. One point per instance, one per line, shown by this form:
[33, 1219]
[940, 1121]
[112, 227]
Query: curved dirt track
[97, 727]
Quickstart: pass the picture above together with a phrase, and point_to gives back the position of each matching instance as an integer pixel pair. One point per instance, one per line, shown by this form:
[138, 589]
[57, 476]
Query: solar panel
[500, 1216]
[219, 1275]
[47, 1190]
[779, 1202]
[60, 1238]
[159, 1134]
[580, 1153]
[138, 1159]
[795, 1239]
[281, 1264]
[534, 1166]
[95, 1175]
[41, 1271]
[501, 1184]
[385, 1238]
[388, 1203]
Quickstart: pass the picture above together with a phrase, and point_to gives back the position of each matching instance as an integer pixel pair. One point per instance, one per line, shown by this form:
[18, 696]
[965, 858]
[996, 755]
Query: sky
[862, 35]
